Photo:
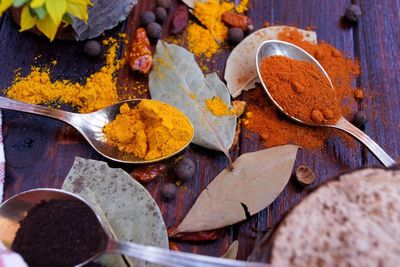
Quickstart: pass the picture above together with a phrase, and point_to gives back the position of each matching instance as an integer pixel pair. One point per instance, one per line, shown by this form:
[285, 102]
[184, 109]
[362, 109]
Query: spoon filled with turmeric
[132, 131]
[300, 88]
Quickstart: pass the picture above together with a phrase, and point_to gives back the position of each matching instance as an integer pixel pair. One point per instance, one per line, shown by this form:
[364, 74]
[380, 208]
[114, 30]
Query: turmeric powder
[205, 41]
[218, 107]
[151, 130]
[98, 91]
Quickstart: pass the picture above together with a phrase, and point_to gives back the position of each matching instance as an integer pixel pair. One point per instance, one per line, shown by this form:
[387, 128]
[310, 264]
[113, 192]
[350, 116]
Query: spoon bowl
[280, 48]
[13, 210]
[90, 125]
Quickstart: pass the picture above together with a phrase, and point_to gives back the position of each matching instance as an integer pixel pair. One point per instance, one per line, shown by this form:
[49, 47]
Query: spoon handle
[379, 153]
[11, 104]
[166, 257]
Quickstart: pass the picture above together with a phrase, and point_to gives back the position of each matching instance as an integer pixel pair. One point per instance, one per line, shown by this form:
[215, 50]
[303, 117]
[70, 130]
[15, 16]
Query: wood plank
[378, 50]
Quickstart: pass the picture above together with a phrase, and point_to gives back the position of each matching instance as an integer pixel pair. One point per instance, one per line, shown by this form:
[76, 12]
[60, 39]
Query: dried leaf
[256, 180]
[231, 252]
[240, 71]
[178, 80]
[125, 206]
[103, 15]
[202, 236]
[192, 3]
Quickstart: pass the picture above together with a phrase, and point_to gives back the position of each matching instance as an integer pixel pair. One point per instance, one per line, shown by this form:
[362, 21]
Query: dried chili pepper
[211, 235]
[140, 57]
[180, 19]
[237, 20]
[148, 173]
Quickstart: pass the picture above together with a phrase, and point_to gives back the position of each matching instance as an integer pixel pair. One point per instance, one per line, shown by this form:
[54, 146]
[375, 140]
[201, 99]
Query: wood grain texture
[40, 151]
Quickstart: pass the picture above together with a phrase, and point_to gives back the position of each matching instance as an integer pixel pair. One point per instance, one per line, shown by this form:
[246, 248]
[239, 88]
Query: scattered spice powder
[301, 89]
[218, 107]
[275, 129]
[59, 233]
[200, 41]
[206, 41]
[150, 130]
[98, 91]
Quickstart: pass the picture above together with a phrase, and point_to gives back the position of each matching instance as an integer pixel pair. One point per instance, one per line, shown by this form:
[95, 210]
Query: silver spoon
[280, 48]
[90, 125]
[13, 210]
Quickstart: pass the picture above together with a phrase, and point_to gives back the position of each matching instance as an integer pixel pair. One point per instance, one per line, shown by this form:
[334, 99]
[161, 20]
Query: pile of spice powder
[274, 128]
[218, 107]
[301, 89]
[59, 233]
[151, 130]
[205, 41]
[97, 91]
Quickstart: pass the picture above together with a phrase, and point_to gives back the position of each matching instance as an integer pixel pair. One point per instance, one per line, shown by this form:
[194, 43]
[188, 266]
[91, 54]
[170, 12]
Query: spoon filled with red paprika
[300, 87]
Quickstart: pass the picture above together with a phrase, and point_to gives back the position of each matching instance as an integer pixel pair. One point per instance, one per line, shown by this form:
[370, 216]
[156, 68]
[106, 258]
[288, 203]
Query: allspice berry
[164, 3]
[161, 14]
[235, 35]
[185, 169]
[153, 30]
[360, 119]
[304, 175]
[169, 191]
[353, 13]
[147, 17]
[92, 48]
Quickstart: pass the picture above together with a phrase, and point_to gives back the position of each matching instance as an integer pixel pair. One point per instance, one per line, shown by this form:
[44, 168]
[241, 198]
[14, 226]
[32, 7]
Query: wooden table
[40, 151]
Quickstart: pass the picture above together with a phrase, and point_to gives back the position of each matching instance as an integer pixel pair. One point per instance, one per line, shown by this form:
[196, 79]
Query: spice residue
[301, 89]
[51, 235]
[200, 41]
[218, 107]
[97, 91]
[150, 130]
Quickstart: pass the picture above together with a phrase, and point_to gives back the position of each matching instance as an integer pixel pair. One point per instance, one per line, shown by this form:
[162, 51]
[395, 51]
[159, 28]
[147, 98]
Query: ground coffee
[58, 233]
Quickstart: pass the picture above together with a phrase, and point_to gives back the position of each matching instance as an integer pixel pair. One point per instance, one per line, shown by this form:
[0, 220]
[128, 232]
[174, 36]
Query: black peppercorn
[235, 35]
[92, 48]
[153, 30]
[164, 3]
[360, 119]
[161, 14]
[169, 191]
[185, 169]
[353, 13]
[147, 17]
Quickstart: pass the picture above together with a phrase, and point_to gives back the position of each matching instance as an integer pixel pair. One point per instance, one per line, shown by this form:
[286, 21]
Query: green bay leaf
[177, 80]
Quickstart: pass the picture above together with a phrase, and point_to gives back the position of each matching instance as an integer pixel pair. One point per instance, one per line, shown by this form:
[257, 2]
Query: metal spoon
[13, 210]
[280, 48]
[90, 125]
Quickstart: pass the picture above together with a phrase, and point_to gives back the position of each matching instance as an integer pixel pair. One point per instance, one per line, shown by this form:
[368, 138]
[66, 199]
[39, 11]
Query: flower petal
[27, 20]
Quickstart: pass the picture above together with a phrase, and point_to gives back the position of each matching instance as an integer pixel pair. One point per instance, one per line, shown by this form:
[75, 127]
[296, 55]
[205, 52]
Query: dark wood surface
[40, 151]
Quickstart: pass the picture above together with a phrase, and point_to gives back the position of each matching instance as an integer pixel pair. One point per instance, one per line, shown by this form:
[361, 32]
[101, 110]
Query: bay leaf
[231, 252]
[103, 15]
[240, 70]
[125, 206]
[192, 3]
[255, 182]
[177, 79]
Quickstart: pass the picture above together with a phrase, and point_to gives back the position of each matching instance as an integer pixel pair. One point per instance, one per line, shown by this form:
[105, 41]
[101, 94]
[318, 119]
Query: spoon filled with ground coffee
[51, 227]
[300, 87]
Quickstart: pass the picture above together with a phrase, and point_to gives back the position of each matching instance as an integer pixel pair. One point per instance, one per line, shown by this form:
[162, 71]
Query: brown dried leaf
[256, 180]
[180, 19]
[148, 173]
[202, 236]
[231, 252]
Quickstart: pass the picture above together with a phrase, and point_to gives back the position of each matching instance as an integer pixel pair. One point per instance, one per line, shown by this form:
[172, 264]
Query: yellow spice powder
[242, 7]
[200, 41]
[151, 130]
[98, 91]
[209, 14]
[218, 107]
